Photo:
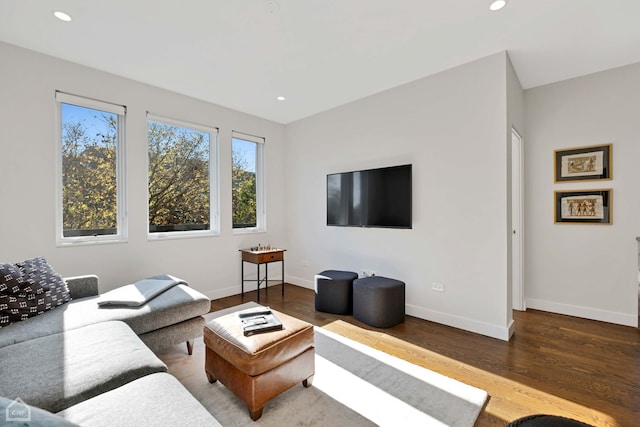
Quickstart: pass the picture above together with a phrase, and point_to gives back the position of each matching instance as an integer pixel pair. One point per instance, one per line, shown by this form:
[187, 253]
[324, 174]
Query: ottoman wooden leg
[211, 378]
[255, 415]
[308, 382]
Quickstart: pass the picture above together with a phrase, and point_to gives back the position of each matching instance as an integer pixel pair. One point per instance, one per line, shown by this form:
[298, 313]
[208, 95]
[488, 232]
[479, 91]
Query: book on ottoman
[259, 320]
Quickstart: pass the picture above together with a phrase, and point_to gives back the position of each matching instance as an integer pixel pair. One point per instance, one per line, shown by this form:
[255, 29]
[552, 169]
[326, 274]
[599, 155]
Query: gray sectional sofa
[79, 364]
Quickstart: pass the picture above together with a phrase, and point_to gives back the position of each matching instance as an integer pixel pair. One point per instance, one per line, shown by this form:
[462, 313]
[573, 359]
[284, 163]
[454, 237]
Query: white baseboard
[221, 293]
[583, 312]
[512, 329]
[298, 281]
[494, 331]
[471, 325]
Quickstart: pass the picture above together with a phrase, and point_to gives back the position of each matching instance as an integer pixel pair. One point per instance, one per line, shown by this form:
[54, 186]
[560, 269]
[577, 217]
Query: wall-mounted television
[370, 198]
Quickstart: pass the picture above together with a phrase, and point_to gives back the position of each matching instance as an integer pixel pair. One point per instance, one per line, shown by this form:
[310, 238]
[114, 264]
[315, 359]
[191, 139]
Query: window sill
[76, 243]
[249, 231]
[177, 235]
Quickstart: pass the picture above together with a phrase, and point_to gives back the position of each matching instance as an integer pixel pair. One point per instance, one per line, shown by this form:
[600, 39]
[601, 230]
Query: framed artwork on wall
[583, 206]
[583, 163]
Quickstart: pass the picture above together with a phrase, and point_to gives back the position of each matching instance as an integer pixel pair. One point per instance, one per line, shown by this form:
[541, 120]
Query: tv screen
[370, 198]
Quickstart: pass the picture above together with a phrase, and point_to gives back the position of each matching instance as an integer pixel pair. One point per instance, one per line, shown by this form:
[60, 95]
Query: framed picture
[583, 164]
[583, 206]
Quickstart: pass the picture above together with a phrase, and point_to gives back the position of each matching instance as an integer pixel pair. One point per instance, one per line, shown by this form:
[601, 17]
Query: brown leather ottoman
[259, 367]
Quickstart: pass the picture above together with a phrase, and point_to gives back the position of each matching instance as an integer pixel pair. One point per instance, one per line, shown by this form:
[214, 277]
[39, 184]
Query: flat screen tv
[370, 198]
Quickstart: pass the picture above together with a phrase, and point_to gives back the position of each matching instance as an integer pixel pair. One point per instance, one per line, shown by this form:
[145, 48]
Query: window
[90, 171]
[248, 182]
[182, 189]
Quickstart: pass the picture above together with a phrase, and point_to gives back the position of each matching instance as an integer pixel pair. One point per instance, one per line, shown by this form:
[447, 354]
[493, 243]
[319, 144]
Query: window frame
[261, 208]
[121, 235]
[214, 181]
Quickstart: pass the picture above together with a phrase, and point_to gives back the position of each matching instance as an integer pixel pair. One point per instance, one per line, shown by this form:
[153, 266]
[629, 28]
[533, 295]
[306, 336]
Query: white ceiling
[319, 54]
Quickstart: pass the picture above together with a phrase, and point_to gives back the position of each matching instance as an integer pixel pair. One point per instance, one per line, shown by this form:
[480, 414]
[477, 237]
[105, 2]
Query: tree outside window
[89, 149]
[248, 183]
[244, 194]
[179, 177]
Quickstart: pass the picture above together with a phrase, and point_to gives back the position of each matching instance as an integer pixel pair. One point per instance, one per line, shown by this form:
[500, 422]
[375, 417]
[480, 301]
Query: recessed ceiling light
[497, 4]
[62, 16]
[281, 98]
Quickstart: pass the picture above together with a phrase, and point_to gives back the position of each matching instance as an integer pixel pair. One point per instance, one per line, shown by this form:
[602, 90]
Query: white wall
[452, 128]
[27, 177]
[584, 270]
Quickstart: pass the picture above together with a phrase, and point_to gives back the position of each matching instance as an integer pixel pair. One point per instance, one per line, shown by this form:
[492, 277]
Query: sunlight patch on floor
[529, 399]
[366, 399]
[460, 390]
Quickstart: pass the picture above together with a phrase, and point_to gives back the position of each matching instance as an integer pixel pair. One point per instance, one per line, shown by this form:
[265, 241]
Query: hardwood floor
[554, 364]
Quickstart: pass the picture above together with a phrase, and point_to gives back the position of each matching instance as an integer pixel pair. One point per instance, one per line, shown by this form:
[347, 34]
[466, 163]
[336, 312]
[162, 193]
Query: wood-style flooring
[554, 364]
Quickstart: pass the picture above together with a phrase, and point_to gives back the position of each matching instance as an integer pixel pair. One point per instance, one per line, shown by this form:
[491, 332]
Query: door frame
[517, 221]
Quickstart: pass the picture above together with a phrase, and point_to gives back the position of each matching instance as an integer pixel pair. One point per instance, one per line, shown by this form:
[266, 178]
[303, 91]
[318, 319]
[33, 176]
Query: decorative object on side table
[583, 163]
[583, 206]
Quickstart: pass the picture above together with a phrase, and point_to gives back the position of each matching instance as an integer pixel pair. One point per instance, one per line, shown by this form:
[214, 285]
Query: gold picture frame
[583, 163]
[583, 206]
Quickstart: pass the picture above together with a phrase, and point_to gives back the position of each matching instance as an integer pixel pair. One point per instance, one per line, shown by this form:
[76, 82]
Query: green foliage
[179, 193]
[243, 194]
[89, 178]
[178, 175]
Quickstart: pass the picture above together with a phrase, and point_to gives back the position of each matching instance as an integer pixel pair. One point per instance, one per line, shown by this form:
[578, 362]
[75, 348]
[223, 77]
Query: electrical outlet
[437, 286]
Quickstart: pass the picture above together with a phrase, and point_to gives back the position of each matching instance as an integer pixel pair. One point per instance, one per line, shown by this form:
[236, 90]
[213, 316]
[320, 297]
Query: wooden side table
[258, 258]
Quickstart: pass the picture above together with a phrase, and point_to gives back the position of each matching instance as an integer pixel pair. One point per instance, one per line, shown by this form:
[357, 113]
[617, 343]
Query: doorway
[517, 222]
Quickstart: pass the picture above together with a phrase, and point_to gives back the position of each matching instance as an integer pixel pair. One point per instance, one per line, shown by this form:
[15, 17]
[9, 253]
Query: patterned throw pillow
[29, 288]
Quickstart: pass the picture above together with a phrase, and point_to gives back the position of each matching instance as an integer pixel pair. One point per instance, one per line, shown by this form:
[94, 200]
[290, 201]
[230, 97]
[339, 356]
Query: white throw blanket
[315, 281]
[139, 293]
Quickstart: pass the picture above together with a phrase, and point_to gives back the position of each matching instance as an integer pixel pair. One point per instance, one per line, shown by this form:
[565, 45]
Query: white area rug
[354, 385]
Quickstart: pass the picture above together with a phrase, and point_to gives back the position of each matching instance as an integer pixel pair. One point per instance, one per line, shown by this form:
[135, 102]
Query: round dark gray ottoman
[541, 420]
[334, 292]
[378, 301]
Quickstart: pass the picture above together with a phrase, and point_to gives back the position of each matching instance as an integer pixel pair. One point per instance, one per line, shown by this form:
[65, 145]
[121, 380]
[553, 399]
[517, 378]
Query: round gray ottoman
[378, 301]
[541, 420]
[334, 292]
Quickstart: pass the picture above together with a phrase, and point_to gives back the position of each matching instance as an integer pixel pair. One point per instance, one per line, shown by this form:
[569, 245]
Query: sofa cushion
[155, 400]
[175, 305]
[17, 413]
[60, 370]
[29, 288]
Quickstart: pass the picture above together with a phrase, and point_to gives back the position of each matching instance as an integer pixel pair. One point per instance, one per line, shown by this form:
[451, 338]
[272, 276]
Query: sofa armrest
[82, 286]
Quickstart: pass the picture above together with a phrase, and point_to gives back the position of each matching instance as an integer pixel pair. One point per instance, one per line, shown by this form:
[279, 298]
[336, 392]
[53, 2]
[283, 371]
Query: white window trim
[121, 222]
[261, 177]
[214, 181]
